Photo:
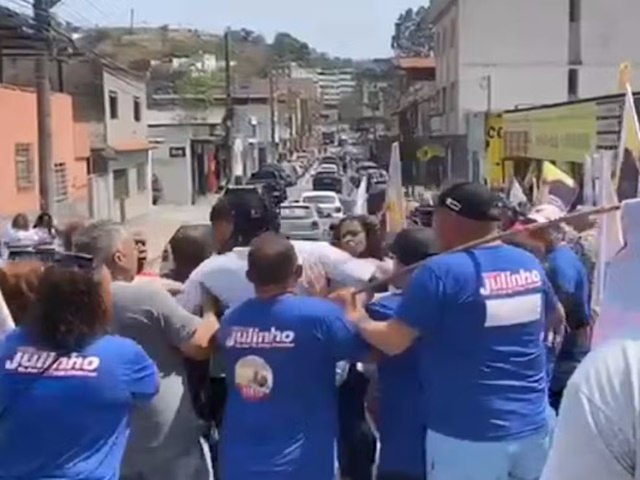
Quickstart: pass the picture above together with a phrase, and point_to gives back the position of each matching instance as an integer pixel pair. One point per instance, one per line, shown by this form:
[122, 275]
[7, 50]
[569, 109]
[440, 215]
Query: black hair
[272, 260]
[253, 213]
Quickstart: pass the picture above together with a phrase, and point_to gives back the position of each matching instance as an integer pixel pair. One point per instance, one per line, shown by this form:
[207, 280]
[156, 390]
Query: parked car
[288, 179]
[327, 202]
[363, 167]
[328, 182]
[328, 168]
[300, 221]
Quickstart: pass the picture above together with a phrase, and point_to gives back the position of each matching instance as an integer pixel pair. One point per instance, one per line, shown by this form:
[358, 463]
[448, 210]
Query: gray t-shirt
[596, 435]
[148, 314]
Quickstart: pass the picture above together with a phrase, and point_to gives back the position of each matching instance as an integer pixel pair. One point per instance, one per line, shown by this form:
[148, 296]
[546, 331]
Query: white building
[502, 54]
[335, 84]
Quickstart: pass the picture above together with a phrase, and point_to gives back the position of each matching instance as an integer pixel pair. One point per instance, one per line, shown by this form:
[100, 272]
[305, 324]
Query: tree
[287, 48]
[414, 35]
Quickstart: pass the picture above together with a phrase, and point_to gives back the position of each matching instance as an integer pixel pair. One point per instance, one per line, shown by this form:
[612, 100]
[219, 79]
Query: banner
[556, 187]
[395, 196]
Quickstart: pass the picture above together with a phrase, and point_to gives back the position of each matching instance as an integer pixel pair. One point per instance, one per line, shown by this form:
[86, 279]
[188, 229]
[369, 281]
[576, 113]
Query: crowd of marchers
[258, 358]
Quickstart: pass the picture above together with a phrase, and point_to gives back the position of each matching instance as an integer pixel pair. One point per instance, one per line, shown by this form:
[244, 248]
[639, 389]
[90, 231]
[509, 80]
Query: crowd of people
[278, 359]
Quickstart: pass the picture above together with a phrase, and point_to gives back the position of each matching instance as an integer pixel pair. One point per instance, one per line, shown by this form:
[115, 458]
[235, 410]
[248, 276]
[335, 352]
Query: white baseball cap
[545, 213]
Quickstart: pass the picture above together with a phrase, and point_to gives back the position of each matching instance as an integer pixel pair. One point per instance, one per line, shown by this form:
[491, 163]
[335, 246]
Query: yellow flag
[624, 76]
[395, 195]
[628, 165]
[556, 187]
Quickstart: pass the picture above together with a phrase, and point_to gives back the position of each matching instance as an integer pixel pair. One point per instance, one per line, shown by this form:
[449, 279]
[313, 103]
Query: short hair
[221, 211]
[272, 260]
[100, 239]
[189, 246]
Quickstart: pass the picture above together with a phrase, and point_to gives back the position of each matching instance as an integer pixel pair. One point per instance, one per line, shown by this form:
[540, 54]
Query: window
[574, 10]
[25, 175]
[60, 183]
[141, 177]
[137, 112]
[573, 81]
[120, 183]
[113, 105]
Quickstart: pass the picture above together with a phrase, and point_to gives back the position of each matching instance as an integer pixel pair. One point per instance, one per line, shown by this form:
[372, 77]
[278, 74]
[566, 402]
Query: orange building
[19, 155]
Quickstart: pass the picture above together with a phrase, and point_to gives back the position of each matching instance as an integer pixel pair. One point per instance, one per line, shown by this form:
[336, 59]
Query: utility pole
[228, 118]
[42, 18]
[132, 14]
[272, 112]
[489, 91]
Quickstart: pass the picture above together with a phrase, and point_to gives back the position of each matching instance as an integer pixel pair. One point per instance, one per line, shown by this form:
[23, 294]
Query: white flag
[516, 195]
[361, 198]
[395, 195]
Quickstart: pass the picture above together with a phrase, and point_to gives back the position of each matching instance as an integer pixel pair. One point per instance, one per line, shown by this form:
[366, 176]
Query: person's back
[140, 312]
[72, 420]
[281, 414]
[488, 330]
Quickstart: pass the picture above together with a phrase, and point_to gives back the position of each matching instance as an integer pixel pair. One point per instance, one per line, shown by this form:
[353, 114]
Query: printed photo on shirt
[253, 377]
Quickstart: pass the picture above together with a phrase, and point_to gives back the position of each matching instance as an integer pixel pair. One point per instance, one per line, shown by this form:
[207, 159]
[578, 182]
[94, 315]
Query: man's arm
[191, 334]
[555, 319]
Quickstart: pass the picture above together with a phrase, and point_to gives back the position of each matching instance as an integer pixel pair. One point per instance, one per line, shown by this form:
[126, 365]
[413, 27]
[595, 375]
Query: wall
[174, 173]
[125, 129]
[608, 37]
[18, 124]
[138, 202]
[523, 47]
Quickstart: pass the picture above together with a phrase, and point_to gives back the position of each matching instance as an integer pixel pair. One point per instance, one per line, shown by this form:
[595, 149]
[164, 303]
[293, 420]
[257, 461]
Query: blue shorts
[452, 459]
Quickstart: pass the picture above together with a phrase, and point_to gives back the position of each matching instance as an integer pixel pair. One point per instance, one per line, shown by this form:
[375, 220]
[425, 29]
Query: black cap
[471, 200]
[414, 244]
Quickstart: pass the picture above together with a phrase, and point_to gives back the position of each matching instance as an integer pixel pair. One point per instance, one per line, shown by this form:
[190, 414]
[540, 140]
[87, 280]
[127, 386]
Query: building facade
[335, 84]
[19, 191]
[112, 102]
[497, 55]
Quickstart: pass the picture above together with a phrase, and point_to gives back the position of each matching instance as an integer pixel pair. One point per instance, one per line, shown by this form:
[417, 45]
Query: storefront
[564, 134]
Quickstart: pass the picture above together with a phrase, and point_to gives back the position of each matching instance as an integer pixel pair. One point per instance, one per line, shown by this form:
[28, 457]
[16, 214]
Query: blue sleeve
[343, 340]
[379, 311]
[421, 304]
[140, 374]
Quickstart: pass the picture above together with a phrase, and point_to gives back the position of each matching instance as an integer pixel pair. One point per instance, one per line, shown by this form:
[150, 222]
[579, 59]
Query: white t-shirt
[224, 276]
[597, 435]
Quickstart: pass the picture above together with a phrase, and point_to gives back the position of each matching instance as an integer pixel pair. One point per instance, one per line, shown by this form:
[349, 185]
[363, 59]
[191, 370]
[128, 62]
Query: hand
[352, 303]
[314, 280]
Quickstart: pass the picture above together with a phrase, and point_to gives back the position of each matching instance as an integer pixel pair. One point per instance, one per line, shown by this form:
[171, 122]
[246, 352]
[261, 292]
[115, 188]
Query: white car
[327, 203]
[328, 168]
[300, 221]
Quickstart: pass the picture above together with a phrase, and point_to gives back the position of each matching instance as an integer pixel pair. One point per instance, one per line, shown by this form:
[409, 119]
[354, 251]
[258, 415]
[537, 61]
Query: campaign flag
[361, 197]
[618, 265]
[556, 187]
[515, 194]
[588, 190]
[394, 204]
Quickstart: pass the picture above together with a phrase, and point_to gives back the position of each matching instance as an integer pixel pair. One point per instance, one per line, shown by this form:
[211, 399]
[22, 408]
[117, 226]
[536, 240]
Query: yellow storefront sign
[494, 171]
[565, 133]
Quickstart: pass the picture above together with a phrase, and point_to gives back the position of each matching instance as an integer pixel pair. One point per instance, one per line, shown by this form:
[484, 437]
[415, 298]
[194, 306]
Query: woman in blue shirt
[67, 386]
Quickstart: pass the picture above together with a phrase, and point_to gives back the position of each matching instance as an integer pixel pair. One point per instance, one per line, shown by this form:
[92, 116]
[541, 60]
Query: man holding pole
[479, 315]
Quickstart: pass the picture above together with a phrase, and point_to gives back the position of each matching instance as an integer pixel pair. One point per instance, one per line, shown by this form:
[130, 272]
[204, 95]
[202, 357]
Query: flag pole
[371, 287]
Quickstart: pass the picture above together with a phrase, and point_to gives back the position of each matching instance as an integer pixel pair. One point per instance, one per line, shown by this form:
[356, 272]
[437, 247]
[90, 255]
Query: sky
[346, 28]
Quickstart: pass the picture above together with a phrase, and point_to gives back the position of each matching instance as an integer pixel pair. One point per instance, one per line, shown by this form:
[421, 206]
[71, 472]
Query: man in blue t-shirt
[570, 280]
[280, 352]
[400, 424]
[480, 315]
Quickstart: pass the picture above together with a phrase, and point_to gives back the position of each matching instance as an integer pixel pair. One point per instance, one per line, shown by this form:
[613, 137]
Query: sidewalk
[159, 225]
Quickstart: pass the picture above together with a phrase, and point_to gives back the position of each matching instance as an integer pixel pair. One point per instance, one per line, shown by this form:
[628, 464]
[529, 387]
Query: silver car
[300, 221]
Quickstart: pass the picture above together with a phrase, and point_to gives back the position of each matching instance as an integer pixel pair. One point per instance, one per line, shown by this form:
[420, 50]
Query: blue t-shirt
[280, 419]
[70, 422]
[570, 281]
[400, 425]
[481, 313]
